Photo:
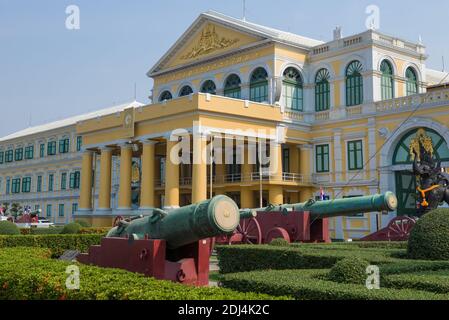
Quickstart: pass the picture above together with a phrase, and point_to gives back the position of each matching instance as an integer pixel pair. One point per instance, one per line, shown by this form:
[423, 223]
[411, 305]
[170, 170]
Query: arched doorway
[405, 181]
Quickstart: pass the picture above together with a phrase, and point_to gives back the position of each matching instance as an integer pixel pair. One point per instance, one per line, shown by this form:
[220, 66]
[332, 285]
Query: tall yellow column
[306, 169]
[275, 192]
[148, 175]
[171, 178]
[294, 158]
[276, 161]
[305, 159]
[275, 195]
[126, 154]
[199, 169]
[86, 181]
[246, 194]
[104, 197]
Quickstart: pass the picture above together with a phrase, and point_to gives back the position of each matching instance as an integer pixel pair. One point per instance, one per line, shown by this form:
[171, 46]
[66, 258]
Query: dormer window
[166, 95]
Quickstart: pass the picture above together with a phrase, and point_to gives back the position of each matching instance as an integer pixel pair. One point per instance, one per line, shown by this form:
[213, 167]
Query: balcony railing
[403, 103]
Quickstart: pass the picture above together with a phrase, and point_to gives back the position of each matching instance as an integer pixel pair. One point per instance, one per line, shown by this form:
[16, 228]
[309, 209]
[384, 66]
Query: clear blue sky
[48, 72]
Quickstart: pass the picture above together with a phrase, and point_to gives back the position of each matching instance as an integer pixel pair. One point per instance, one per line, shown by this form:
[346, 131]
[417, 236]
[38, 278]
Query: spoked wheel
[400, 227]
[248, 232]
[117, 220]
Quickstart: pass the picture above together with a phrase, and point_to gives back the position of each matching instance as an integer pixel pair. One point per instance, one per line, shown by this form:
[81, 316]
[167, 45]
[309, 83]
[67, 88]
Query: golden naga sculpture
[209, 42]
[423, 140]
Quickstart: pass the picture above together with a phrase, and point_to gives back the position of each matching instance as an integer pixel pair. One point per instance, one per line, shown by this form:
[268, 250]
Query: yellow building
[338, 115]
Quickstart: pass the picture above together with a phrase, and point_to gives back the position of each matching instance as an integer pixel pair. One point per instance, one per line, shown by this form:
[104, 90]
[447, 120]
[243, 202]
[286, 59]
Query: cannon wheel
[117, 220]
[399, 228]
[277, 233]
[248, 231]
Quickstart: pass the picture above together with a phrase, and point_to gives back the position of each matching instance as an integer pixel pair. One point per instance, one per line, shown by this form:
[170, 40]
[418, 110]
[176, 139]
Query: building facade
[40, 167]
[338, 115]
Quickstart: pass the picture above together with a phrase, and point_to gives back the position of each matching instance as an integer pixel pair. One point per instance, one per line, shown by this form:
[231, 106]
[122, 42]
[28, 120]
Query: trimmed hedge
[264, 257]
[36, 277]
[433, 281]
[349, 270]
[56, 243]
[83, 223]
[7, 228]
[279, 242]
[71, 228]
[313, 285]
[93, 230]
[429, 238]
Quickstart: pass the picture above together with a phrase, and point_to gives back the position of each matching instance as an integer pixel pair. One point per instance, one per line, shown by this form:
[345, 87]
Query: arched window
[258, 91]
[166, 95]
[232, 87]
[354, 84]
[322, 90]
[293, 93]
[387, 81]
[185, 91]
[412, 81]
[209, 87]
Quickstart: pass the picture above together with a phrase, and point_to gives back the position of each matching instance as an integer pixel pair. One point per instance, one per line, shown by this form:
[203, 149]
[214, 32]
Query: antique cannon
[305, 222]
[173, 245]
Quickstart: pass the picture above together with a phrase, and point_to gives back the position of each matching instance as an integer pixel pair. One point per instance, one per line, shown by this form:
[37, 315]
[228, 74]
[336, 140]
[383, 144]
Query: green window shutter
[61, 210]
[2, 156]
[293, 89]
[185, 91]
[355, 155]
[259, 85]
[50, 182]
[322, 158]
[49, 209]
[79, 143]
[387, 80]
[354, 84]
[411, 81]
[63, 181]
[51, 148]
[26, 185]
[232, 87]
[39, 184]
[18, 154]
[322, 90]
[209, 87]
[74, 208]
[42, 150]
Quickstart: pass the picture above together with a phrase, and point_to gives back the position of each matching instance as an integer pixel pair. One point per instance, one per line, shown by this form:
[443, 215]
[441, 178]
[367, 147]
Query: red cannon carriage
[302, 222]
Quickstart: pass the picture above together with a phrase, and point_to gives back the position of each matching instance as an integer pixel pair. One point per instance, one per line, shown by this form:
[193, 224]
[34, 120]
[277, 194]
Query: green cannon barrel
[217, 216]
[339, 207]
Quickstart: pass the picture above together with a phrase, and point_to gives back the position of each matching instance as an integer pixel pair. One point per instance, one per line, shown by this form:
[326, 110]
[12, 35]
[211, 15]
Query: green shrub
[36, 277]
[102, 231]
[429, 238]
[7, 228]
[432, 281]
[56, 243]
[83, 223]
[263, 257]
[313, 285]
[51, 230]
[349, 270]
[279, 242]
[71, 228]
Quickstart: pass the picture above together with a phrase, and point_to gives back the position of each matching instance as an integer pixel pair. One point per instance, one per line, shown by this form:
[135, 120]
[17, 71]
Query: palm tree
[16, 209]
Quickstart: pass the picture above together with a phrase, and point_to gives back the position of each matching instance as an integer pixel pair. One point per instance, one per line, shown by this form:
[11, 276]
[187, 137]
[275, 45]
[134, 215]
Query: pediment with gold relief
[210, 40]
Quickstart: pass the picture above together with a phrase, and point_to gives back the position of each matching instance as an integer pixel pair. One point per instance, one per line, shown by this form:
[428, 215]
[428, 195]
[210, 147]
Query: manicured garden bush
[56, 243]
[429, 238]
[83, 223]
[36, 277]
[7, 227]
[314, 285]
[249, 257]
[279, 242]
[349, 270]
[71, 228]
[92, 230]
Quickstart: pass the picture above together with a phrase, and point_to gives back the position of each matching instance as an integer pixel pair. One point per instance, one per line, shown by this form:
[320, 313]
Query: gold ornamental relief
[421, 139]
[209, 42]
